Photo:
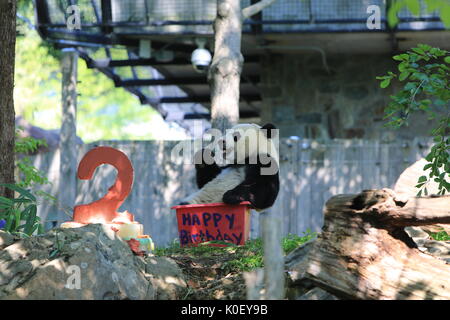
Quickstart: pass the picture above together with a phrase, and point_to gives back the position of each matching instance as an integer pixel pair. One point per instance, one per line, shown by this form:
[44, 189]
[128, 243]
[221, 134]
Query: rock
[317, 294]
[166, 277]
[407, 181]
[439, 249]
[417, 233]
[90, 262]
[6, 239]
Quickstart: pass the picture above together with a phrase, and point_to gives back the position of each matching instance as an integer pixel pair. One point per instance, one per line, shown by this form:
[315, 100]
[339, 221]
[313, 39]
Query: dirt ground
[209, 278]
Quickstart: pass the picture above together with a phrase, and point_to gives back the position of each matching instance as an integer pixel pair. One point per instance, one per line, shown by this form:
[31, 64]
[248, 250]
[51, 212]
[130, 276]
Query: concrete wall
[305, 100]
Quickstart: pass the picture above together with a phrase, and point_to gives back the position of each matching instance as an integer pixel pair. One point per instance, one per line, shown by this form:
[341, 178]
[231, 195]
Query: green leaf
[6, 201]
[17, 214]
[385, 83]
[19, 190]
[403, 75]
[31, 221]
[422, 179]
[413, 6]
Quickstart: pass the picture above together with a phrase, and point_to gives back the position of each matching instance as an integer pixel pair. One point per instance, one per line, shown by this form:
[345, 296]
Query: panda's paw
[232, 198]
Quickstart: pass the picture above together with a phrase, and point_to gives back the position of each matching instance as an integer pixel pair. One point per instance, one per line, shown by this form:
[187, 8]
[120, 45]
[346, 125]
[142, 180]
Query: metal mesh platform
[196, 16]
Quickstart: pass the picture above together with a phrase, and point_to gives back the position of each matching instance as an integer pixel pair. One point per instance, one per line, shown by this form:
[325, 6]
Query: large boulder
[6, 239]
[407, 181]
[81, 263]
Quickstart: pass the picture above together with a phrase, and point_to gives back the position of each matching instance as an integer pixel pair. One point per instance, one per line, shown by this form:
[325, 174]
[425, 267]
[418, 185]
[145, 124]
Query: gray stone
[356, 92]
[416, 233]
[317, 294]
[6, 239]
[328, 87]
[271, 91]
[309, 118]
[283, 113]
[437, 248]
[166, 277]
[81, 263]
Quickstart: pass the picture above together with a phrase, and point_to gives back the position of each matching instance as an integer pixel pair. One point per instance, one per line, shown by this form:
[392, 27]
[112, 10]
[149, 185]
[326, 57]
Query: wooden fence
[310, 172]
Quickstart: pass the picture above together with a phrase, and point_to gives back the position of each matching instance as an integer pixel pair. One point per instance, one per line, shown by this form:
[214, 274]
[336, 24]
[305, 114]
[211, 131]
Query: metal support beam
[42, 17]
[172, 81]
[108, 63]
[197, 99]
[207, 116]
[106, 16]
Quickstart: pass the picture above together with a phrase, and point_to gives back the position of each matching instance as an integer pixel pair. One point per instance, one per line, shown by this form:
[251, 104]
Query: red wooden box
[199, 223]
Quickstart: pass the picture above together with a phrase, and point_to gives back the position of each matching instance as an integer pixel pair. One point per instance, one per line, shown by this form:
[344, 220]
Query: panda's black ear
[270, 130]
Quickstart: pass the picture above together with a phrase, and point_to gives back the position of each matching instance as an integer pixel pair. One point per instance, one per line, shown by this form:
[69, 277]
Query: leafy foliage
[440, 236]
[20, 214]
[104, 112]
[28, 174]
[414, 6]
[425, 72]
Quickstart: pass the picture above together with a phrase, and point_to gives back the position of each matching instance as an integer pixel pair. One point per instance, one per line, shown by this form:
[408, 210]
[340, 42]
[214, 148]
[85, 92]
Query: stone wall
[305, 99]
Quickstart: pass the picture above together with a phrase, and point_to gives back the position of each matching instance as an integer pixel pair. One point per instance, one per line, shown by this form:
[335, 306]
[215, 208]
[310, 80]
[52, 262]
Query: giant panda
[248, 170]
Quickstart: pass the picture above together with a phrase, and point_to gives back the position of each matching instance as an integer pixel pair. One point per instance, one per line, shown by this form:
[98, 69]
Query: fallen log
[363, 251]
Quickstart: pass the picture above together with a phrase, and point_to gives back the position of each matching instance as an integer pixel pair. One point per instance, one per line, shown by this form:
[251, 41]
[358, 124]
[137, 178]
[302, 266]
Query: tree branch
[419, 212]
[387, 207]
[255, 8]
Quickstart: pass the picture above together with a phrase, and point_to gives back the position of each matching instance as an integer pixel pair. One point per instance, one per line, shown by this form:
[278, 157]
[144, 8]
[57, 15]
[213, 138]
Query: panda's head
[246, 143]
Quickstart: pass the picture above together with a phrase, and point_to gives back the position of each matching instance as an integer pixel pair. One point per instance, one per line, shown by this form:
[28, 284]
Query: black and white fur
[241, 180]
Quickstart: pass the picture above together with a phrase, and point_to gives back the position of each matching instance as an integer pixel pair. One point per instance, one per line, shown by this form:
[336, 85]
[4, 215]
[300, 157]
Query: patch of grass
[292, 241]
[440, 236]
[235, 258]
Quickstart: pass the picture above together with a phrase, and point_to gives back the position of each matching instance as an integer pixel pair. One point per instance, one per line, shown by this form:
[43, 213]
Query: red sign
[199, 223]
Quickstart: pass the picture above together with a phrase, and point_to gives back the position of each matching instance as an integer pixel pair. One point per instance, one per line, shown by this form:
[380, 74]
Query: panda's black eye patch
[236, 136]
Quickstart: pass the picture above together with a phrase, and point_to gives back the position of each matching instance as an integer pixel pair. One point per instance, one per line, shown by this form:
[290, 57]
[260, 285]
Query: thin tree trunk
[226, 67]
[68, 135]
[7, 115]
[225, 70]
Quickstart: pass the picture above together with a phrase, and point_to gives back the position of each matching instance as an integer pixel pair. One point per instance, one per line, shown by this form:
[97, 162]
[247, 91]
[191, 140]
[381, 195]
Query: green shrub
[425, 72]
[19, 215]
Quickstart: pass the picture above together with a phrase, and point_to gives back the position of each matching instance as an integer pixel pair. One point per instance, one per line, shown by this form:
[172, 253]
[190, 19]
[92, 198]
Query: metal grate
[89, 12]
[163, 16]
[196, 16]
[318, 15]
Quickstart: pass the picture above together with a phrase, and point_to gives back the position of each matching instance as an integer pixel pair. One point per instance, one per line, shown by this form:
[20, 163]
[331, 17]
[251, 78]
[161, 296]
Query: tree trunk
[7, 115]
[225, 70]
[363, 251]
[68, 135]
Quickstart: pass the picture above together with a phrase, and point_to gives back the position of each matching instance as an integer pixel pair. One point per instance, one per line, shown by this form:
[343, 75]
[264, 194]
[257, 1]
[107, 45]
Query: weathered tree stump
[363, 251]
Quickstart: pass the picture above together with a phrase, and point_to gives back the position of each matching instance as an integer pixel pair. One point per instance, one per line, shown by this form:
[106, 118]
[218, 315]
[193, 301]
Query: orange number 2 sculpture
[105, 209]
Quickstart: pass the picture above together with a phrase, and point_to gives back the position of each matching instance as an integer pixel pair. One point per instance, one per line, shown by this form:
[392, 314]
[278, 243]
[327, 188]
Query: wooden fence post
[68, 134]
[273, 256]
